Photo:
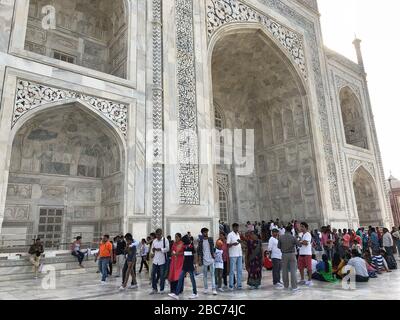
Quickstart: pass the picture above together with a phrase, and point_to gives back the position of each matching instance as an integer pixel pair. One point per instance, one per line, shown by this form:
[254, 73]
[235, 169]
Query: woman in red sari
[176, 265]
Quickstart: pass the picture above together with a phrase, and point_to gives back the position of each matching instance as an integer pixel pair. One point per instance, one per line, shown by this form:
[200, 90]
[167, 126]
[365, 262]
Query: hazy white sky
[377, 24]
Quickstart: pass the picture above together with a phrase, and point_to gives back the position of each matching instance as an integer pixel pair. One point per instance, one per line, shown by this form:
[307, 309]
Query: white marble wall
[334, 161]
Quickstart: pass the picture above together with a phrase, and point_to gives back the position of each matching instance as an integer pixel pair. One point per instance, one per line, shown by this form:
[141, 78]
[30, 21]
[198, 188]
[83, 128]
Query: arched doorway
[66, 178]
[353, 119]
[88, 33]
[257, 87]
[367, 199]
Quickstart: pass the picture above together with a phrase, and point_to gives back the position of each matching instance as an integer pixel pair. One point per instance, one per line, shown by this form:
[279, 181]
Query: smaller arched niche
[66, 172]
[353, 119]
[88, 33]
[366, 197]
[223, 204]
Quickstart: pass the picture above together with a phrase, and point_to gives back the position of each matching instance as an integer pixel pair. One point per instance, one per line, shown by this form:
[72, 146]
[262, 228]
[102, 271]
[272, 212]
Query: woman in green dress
[324, 271]
[254, 261]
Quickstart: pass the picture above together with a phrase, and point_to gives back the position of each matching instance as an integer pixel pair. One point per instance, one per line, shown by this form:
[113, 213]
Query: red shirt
[346, 240]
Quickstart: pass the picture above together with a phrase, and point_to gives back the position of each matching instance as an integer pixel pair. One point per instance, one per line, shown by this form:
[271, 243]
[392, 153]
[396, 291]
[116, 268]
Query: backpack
[391, 262]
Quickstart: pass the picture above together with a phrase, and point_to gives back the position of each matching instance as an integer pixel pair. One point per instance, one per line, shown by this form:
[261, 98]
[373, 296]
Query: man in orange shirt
[104, 256]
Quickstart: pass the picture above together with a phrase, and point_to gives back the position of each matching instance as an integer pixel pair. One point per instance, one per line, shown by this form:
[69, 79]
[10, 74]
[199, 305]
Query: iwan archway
[257, 86]
[66, 177]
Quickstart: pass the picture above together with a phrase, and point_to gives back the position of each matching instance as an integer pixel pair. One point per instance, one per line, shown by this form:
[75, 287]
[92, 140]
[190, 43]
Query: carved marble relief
[19, 191]
[187, 108]
[16, 213]
[222, 12]
[30, 95]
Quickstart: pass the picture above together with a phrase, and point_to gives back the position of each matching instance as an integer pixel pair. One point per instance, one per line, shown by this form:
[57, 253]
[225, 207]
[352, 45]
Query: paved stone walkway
[86, 286]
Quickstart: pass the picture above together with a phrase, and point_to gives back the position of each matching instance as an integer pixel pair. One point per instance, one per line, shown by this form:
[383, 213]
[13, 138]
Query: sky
[377, 24]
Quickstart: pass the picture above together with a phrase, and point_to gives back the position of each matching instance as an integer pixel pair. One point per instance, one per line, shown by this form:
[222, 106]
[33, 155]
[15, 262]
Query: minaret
[357, 45]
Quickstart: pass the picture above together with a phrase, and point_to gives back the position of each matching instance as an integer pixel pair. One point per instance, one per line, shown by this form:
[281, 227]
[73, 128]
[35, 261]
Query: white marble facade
[87, 88]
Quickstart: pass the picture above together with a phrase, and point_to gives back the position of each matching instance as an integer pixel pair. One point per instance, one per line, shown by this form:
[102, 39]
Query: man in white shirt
[159, 249]
[282, 231]
[360, 267]
[235, 256]
[276, 256]
[387, 242]
[305, 254]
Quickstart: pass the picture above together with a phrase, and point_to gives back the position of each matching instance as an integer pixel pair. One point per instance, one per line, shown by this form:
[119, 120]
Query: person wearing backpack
[160, 247]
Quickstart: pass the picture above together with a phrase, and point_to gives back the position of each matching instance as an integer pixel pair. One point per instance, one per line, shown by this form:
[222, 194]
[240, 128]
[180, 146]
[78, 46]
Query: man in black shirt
[120, 254]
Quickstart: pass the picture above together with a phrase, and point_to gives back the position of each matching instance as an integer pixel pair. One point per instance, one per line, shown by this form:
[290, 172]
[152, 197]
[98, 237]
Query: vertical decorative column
[188, 153]
[158, 119]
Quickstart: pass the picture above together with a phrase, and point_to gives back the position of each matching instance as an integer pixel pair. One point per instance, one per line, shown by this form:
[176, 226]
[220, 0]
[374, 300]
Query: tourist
[267, 263]
[396, 236]
[374, 240]
[225, 257]
[360, 267]
[356, 246]
[305, 255]
[324, 270]
[104, 256]
[380, 236]
[160, 247]
[130, 261]
[188, 267]
[327, 242]
[345, 241]
[76, 250]
[112, 260]
[276, 257]
[35, 251]
[206, 254]
[365, 240]
[337, 265]
[387, 241]
[372, 272]
[379, 262]
[287, 244]
[249, 227]
[219, 264]
[235, 257]
[254, 261]
[151, 255]
[144, 253]
[175, 268]
[120, 254]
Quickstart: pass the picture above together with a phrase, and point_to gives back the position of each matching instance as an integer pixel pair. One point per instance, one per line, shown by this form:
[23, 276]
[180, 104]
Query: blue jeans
[103, 266]
[235, 262]
[158, 272]
[205, 273]
[182, 279]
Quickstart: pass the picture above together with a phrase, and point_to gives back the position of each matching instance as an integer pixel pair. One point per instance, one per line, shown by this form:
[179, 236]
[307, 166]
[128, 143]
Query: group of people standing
[289, 248]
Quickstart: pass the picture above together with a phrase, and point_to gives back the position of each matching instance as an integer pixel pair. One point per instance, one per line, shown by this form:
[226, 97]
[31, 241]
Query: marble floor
[86, 286]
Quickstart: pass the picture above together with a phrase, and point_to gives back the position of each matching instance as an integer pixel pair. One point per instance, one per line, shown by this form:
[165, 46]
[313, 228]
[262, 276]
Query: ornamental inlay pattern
[187, 108]
[158, 119]
[355, 164]
[222, 12]
[30, 95]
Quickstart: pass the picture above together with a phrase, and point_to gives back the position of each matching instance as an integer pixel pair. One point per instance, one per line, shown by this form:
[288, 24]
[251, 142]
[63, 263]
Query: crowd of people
[326, 255]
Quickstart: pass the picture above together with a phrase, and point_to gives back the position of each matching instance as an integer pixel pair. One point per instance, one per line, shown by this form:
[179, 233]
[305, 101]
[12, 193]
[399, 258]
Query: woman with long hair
[176, 265]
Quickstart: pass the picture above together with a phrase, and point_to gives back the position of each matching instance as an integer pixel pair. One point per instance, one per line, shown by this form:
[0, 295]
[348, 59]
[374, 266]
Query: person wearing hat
[276, 256]
[206, 254]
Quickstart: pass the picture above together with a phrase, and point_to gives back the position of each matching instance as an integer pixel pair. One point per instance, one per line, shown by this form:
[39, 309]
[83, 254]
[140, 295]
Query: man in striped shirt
[379, 262]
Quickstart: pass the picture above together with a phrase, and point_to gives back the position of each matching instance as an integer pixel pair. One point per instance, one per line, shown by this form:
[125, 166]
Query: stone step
[23, 261]
[28, 276]
[27, 268]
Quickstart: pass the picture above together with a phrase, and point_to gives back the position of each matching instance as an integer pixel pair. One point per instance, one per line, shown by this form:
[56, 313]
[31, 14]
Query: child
[219, 264]
[267, 261]
[188, 267]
